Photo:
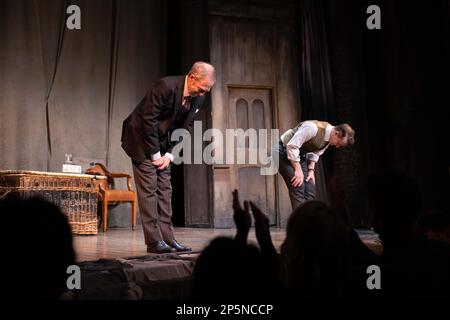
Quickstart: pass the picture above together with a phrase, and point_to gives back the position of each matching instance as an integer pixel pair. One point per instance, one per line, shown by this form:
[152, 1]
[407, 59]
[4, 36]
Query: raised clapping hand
[243, 223]
[241, 217]
[262, 230]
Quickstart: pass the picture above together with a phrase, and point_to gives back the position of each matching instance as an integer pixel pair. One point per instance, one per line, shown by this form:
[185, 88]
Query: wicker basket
[75, 194]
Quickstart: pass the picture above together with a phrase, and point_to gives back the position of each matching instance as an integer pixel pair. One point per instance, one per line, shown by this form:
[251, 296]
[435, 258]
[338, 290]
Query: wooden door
[252, 107]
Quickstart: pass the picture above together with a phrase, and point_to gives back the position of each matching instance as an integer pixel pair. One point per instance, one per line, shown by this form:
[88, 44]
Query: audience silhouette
[38, 248]
[412, 266]
[316, 260]
[229, 270]
[321, 257]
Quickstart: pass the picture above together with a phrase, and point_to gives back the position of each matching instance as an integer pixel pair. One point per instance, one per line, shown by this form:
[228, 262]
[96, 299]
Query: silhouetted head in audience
[395, 202]
[38, 242]
[316, 253]
[228, 270]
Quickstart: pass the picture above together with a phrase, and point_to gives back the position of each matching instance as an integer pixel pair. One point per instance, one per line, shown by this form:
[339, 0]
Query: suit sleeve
[155, 101]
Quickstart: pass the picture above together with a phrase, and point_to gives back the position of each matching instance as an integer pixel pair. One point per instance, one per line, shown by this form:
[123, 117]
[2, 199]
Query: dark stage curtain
[316, 90]
[408, 95]
[68, 91]
[391, 85]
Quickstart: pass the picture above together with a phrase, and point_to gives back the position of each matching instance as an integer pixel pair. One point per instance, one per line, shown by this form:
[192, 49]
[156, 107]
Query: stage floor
[149, 276]
[124, 242]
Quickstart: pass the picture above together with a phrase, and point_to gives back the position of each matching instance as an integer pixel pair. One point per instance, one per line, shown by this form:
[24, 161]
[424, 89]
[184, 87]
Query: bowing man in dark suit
[171, 103]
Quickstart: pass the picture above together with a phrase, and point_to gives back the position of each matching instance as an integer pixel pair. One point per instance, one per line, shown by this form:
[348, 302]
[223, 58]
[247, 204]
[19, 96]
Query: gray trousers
[154, 192]
[298, 195]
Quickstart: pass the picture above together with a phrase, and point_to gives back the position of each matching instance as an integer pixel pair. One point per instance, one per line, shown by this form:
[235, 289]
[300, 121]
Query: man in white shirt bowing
[299, 150]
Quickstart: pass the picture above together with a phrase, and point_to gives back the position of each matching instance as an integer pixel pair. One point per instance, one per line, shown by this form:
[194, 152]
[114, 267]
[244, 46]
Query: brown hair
[344, 130]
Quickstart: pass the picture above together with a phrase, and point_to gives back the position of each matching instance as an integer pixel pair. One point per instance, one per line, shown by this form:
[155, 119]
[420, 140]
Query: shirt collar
[328, 132]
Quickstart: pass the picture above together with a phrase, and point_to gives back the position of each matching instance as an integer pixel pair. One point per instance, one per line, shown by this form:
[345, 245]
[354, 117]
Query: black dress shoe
[160, 247]
[178, 246]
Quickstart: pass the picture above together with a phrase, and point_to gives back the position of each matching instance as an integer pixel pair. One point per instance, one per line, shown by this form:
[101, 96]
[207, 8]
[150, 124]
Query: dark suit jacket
[147, 129]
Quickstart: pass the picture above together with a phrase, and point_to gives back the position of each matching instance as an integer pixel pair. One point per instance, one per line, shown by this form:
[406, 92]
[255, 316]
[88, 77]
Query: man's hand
[241, 217]
[161, 163]
[297, 179]
[311, 176]
[261, 220]
[262, 231]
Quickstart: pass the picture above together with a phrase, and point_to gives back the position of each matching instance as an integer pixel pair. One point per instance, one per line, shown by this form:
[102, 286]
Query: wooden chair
[109, 195]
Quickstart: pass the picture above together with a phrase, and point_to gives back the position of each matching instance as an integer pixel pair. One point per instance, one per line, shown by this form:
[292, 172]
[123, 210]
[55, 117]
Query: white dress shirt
[306, 132]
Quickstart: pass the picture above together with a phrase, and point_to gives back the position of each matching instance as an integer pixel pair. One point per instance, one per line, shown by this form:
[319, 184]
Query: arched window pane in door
[258, 114]
[242, 119]
[242, 114]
